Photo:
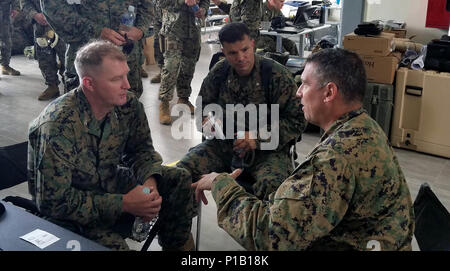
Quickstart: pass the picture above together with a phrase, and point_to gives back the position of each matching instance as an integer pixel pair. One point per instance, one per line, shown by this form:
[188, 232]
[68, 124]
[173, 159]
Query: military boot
[9, 71]
[164, 113]
[188, 103]
[51, 92]
[144, 74]
[156, 78]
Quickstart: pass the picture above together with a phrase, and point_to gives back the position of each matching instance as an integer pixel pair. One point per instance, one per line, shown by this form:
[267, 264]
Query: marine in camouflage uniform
[182, 43]
[6, 6]
[78, 22]
[348, 194]
[269, 167]
[349, 191]
[46, 56]
[269, 43]
[249, 13]
[77, 175]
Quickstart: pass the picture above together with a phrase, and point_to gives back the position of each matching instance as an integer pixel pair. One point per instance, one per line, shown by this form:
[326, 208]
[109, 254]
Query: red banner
[437, 15]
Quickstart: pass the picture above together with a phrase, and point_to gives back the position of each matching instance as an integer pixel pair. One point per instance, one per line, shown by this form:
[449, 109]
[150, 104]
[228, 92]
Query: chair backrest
[13, 165]
[432, 230]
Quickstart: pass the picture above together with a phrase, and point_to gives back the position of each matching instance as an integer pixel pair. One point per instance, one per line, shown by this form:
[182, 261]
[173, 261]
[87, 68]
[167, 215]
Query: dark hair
[342, 67]
[233, 32]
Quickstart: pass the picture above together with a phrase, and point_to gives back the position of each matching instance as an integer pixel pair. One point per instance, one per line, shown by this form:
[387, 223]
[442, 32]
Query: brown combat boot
[164, 113]
[144, 73]
[188, 103]
[156, 78]
[9, 71]
[51, 92]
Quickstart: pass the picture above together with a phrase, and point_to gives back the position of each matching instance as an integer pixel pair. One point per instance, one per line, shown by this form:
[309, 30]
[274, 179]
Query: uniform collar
[339, 122]
[87, 118]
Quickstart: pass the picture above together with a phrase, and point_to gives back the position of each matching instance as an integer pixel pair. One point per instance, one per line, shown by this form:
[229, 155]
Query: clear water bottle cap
[131, 8]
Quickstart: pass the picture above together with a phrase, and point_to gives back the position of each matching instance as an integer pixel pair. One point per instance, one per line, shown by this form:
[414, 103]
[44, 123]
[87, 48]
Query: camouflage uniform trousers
[269, 44]
[180, 57]
[266, 173]
[175, 214]
[47, 57]
[22, 35]
[5, 34]
[134, 64]
[159, 57]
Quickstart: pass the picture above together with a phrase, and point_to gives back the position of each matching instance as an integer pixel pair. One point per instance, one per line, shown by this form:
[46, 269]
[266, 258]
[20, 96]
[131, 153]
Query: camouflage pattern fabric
[216, 155]
[76, 24]
[22, 35]
[249, 13]
[46, 56]
[74, 163]
[349, 193]
[182, 43]
[157, 25]
[6, 30]
[269, 43]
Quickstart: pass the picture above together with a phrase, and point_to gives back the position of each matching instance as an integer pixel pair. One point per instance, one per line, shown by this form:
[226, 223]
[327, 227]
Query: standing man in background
[181, 42]
[8, 9]
[249, 13]
[47, 46]
[77, 22]
[270, 10]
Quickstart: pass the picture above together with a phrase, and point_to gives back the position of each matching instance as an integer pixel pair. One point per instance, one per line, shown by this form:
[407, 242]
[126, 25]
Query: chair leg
[199, 223]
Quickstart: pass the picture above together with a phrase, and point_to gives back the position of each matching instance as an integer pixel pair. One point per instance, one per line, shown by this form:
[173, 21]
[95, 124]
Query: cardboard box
[381, 69]
[421, 110]
[399, 33]
[381, 45]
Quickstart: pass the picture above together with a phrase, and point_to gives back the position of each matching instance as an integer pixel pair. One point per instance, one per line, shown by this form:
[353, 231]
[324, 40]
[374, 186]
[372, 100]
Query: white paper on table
[40, 238]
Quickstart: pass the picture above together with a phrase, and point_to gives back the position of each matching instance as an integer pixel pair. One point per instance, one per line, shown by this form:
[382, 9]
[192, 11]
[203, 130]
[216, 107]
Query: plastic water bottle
[195, 8]
[198, 21]
[141, 228]
[127, 19]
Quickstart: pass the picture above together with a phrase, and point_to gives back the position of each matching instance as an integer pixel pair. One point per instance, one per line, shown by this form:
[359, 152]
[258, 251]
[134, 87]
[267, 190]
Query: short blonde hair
[91, 55]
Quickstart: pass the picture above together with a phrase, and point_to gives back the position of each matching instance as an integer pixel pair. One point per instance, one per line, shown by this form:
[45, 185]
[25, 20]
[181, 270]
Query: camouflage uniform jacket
[72, 161]
[14, 4]
[268, 14]
[349, 191]
[178, 18]
[249, 90]
[249, 13]
[78, 23]
[31, 7]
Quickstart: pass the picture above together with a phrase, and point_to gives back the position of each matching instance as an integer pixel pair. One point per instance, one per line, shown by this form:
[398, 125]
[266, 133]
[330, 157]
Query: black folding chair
[432, 229]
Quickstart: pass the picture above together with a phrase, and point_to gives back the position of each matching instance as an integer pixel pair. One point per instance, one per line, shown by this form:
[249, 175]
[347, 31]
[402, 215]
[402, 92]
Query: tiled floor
[19, 105]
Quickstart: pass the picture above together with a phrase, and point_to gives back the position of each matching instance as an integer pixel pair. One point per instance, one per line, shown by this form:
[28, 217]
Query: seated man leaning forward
[238, 90]
[348, 194]
[91, 156]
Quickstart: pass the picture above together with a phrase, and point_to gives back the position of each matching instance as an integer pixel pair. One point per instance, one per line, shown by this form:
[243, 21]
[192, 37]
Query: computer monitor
[301, 17]
[303, 14]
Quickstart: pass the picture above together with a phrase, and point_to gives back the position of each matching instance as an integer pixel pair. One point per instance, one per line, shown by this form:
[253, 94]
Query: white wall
[413, 12]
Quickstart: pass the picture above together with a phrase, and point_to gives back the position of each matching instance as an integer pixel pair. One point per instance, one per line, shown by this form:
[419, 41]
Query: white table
[300, 35]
